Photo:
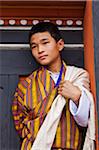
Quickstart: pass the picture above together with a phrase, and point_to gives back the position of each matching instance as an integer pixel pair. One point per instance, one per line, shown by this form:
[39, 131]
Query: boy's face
[45, 49]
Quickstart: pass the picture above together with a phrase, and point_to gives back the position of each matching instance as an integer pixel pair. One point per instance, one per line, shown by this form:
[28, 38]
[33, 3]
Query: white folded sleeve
[81, 113]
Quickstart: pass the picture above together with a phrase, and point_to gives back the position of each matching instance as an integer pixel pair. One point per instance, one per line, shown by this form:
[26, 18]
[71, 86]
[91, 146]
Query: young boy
[34, 104]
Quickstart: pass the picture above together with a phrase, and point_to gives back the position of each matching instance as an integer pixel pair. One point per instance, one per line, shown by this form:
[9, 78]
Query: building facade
[78, 23]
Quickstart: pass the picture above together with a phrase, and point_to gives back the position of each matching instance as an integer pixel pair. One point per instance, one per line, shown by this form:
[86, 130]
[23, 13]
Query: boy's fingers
[59, 92]
[61, 82]
[60, 86]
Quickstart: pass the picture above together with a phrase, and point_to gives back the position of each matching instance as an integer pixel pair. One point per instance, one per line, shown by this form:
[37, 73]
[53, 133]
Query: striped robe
[32, 101]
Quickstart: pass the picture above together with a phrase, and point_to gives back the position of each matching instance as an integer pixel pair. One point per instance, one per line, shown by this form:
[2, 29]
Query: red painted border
[89, 54]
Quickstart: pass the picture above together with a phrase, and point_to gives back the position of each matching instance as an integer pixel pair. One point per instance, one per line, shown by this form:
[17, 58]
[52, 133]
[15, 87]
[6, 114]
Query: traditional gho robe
[32, 102]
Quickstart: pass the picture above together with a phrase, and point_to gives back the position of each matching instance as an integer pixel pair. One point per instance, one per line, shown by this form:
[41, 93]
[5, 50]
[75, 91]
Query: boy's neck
[55, 68]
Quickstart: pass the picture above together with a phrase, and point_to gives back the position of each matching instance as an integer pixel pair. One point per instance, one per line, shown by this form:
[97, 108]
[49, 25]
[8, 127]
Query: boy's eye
[33, 46]
[45, 42]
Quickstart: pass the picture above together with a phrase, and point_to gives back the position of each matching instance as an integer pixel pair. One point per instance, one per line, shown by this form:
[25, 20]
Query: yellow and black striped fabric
[32, 101]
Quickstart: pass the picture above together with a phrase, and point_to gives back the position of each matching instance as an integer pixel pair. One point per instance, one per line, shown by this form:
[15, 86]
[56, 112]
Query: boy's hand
[68, 90]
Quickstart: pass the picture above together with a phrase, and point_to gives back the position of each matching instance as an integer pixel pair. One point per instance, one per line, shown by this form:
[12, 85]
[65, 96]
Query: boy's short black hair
[46, 26]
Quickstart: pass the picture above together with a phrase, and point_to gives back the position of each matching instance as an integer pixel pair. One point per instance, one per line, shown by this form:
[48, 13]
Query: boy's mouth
[42, 57]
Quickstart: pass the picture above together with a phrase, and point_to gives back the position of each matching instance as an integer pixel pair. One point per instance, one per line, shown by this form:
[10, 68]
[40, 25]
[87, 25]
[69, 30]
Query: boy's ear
[60, 44]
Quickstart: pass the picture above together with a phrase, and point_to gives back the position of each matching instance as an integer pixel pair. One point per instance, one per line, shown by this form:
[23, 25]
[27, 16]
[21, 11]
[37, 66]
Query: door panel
[9, 139]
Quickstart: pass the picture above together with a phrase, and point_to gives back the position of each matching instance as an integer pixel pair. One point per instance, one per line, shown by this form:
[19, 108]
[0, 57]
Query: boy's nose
[40, 49]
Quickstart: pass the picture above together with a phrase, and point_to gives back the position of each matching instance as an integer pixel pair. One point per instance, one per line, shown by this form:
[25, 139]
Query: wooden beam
[64, 9]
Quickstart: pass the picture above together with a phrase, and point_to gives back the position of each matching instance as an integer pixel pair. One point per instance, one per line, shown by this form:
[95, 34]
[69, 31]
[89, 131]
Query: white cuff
[81, 113]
